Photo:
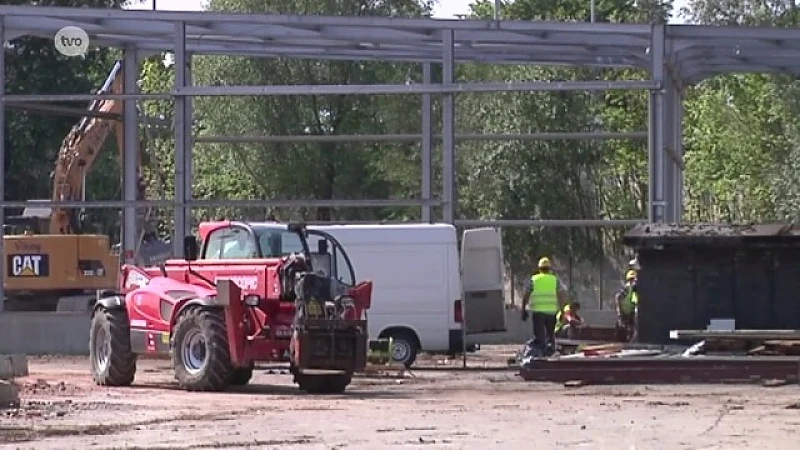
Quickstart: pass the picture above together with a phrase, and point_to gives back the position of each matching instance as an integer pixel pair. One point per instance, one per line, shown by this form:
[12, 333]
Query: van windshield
[277, 242]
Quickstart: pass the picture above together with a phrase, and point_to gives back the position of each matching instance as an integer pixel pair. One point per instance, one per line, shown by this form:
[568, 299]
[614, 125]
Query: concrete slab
[13, 366]
[9, 394]
[44, 333]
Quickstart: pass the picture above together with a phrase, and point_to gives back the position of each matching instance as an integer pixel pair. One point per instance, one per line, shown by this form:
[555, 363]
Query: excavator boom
[64, 268]
[79, 152]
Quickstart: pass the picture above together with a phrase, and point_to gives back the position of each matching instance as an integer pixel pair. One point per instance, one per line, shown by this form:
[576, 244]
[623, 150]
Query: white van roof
[417, 233]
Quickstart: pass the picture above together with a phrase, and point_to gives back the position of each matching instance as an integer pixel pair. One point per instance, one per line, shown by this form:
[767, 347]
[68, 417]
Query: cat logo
[28, 265]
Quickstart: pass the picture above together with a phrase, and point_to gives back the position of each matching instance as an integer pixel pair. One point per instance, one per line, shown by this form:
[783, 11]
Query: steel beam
[130, 160]
[46, 98]
[755, 335]
[680, 175]
[544, 136]
[550, 223]
[449, 188]
[656, 201]
[426, 152]
[2, 165]
[390, 89]
[214, 203]
[182, 212]
[668, 369]
[669, 145]
[62, 110]
[188, 135]
[352, 89]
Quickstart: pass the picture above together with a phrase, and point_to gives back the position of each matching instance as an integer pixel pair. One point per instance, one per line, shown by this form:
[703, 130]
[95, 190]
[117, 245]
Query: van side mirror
[322, 246]
[190, 248]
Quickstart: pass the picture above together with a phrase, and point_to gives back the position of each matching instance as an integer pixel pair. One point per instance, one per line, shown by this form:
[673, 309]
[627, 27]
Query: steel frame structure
[674, 55]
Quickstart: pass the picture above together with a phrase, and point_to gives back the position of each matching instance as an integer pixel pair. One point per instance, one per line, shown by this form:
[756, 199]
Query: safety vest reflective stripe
[544, 298]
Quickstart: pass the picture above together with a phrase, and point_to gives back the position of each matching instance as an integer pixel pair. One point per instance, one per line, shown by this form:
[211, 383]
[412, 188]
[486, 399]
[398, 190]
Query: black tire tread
[323, 384]
[241, 376]
[122, 361]
[219, 371]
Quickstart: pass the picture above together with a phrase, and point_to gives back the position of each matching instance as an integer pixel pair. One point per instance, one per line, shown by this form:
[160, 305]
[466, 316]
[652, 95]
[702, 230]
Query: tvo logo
[72, 41]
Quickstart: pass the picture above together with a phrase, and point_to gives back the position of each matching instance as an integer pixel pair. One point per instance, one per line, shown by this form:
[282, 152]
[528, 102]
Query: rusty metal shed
[694, 273]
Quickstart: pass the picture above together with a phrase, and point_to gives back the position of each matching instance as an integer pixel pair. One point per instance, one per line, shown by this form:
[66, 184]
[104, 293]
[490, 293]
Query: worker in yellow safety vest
[627, 305]
[546, 296]
[568, 320]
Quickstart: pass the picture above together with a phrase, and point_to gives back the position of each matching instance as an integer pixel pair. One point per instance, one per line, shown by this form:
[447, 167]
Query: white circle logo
[72, 41]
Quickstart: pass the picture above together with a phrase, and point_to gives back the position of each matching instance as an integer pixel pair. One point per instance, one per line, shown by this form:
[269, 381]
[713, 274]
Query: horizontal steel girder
[555, 223]
[544, 136]
[111, 204]
[350, 89]
[622, 370]
[405, 39]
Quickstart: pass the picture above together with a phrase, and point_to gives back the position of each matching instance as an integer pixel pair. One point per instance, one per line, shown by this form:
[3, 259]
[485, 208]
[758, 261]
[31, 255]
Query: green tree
[324, 170]
[556, 179]
[740, 129]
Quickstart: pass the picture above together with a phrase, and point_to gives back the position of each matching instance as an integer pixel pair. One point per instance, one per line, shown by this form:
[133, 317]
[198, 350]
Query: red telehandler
[245, 292]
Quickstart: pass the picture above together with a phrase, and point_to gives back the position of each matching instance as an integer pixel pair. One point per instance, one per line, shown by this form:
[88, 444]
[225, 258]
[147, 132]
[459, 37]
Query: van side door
[482, 281]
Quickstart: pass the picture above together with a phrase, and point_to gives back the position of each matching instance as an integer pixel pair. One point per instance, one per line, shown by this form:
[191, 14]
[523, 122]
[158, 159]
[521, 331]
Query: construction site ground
[434, 407]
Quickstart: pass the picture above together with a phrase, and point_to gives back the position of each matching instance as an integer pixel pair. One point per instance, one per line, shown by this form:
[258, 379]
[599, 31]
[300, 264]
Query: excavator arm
[79, 151]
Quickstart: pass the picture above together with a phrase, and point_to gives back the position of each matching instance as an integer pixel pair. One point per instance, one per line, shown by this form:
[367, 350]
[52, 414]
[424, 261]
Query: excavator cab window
[20, 225]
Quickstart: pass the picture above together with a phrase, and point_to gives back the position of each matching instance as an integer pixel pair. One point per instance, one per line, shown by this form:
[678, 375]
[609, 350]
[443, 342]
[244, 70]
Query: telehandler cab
[251, 292]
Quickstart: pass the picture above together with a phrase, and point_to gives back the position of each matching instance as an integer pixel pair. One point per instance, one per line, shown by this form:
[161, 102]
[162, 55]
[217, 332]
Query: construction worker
[627, 303]
[545, 294]
[568, 320]
[634, 265]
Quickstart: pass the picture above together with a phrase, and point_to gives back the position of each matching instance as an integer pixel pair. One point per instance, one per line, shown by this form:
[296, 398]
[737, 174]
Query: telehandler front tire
[112, 361]
[200, 353]
[323, 384]
[242, 376]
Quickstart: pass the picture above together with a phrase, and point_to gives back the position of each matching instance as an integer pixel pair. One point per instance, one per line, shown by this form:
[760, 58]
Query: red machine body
[253, 287]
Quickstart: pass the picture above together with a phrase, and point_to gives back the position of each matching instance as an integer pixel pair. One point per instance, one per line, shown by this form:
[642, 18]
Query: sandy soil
[438, 408]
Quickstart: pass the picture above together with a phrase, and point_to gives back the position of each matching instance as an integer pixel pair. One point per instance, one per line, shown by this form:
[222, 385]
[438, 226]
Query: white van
[420, 281]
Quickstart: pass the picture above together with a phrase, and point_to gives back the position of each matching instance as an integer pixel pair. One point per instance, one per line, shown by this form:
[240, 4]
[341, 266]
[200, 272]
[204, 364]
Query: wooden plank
[758, 335]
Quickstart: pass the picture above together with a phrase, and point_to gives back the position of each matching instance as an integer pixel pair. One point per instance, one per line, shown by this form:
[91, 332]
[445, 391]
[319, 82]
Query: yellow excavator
[51, 262]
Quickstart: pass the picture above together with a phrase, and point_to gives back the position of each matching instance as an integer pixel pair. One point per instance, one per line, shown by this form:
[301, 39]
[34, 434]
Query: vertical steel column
[669, 155]
[188, 160]
[426, 152]
[656, 203]
[449, 190]
[2, 161]
[130, 152]
[677, 129]
[181, 141]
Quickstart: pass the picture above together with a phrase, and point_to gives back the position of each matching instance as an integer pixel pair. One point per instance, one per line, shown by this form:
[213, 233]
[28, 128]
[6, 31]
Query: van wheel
[404, 348]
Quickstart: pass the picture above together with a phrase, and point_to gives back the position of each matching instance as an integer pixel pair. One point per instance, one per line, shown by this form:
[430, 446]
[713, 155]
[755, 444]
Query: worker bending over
[627, 302]
[568, 321]
[546, 296]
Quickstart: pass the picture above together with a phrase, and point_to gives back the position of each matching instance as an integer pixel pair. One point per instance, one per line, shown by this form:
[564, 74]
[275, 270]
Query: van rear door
[482, 280]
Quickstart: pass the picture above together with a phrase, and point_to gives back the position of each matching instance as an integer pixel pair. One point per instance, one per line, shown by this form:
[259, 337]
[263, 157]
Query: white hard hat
[634, 264]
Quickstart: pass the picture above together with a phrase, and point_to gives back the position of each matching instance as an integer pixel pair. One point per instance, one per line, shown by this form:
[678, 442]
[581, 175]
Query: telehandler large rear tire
[200, 353]
[112, 361]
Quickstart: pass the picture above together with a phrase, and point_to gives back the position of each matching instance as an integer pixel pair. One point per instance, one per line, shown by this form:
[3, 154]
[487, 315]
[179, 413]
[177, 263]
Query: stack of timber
[750, 342]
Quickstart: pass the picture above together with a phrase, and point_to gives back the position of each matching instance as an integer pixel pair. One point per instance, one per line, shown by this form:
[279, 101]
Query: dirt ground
[437, 408]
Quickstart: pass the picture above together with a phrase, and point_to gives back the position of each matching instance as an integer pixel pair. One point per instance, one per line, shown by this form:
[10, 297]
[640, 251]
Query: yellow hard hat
[544, 263]
[630, 275]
